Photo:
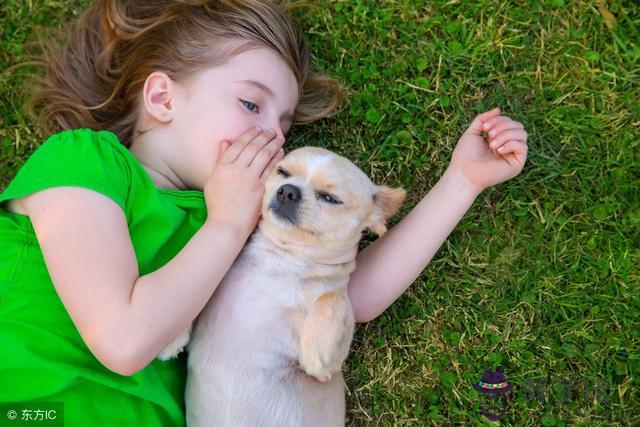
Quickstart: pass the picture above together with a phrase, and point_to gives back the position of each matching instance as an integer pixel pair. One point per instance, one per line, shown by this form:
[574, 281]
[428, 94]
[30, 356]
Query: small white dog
[268, 347]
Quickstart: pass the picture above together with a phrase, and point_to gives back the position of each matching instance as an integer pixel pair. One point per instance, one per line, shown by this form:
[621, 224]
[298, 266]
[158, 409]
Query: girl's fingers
[264, 158]
[272, 164]
[507, 135]
[232, 153]
[514, 152]
[490, 124]
[502, 126]
[254, 149]
[475, 127]
[488, 114]
[223, 151]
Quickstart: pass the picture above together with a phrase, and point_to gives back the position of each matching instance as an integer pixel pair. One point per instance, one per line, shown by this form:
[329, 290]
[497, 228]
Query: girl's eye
[284, 173]
[250, 106]
[329, 198]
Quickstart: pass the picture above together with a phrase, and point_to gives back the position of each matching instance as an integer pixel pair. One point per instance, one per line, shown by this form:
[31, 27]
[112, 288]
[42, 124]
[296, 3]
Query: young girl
[118, 228]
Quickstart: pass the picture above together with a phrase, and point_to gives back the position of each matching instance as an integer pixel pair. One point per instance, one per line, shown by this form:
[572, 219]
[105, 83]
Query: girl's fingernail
[492, 132]
[258, 128]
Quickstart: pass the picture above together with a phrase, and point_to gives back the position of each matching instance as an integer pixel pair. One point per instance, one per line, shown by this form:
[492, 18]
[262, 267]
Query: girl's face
[254, 88]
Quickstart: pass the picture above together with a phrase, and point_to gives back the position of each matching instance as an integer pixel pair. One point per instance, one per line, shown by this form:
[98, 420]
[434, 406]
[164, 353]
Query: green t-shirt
[42, 355]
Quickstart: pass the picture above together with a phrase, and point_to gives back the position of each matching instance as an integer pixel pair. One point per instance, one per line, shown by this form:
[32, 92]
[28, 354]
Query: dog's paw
[313, 366]
[321, 356]
[176, 346]
[325, 336]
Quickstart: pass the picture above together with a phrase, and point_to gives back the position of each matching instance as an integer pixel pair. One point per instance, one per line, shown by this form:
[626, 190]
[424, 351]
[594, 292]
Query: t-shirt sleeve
[77, 157]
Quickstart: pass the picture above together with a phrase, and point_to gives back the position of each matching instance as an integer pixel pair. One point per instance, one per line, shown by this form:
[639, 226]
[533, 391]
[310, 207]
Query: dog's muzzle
[286, 203]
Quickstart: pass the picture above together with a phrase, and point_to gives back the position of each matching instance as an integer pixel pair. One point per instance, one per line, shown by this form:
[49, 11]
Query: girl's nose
[273, 126]
[279, 133]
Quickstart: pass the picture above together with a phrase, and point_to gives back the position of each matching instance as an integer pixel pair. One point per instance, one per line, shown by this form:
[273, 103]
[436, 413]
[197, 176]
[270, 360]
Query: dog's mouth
[285, 213]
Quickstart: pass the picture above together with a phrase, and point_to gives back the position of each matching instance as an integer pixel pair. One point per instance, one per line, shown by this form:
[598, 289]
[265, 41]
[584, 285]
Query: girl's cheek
[230, 123]
[235, 129]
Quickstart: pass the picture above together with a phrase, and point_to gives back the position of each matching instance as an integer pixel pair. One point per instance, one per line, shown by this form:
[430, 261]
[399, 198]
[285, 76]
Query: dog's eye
[284, 173]
[329, 198]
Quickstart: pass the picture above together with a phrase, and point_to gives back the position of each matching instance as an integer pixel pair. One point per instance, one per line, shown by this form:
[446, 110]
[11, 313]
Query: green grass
[541, 277]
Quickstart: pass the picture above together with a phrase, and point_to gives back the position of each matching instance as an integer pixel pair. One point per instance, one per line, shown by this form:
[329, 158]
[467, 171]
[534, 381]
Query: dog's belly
[243, 357]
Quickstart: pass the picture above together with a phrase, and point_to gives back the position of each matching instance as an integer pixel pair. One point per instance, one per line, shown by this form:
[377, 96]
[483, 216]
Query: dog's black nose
[286, 203]
[289, 194]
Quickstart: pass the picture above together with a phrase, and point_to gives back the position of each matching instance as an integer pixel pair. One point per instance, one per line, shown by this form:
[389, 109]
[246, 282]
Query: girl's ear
[158, 94]
[386, 202]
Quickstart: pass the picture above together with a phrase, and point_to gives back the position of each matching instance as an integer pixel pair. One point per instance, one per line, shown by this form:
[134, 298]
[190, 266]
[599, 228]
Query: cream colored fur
[268, 348]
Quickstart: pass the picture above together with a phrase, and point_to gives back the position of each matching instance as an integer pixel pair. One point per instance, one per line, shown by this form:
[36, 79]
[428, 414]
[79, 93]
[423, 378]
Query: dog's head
[317, 198]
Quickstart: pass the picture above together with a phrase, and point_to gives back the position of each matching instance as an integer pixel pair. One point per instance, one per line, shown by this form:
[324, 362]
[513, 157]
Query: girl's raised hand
[486, 162]
[234, 190]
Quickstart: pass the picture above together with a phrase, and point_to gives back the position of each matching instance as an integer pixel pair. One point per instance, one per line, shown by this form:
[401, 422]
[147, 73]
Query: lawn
[541, 277]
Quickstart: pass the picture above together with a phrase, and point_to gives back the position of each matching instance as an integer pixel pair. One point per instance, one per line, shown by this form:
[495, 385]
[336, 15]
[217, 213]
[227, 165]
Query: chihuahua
[268, 348]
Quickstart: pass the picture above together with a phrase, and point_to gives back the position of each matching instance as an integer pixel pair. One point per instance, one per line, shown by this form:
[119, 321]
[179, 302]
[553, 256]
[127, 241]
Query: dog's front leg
[326, 335]
[177, 345]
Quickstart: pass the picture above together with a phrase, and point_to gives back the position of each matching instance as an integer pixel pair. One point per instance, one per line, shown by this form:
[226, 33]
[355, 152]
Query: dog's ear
[386, 202]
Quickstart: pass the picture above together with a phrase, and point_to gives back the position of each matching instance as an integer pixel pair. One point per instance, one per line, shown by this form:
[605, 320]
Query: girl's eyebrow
[267, 90]
[260, 86]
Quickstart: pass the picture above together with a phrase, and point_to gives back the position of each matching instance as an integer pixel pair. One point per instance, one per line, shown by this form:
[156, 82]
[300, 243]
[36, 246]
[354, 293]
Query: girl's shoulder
[84, 150]
[82, 139]
[94, 159]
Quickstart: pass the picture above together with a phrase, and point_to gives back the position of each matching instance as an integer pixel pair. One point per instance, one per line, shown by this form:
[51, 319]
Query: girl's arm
[388, 266]
[124, 319]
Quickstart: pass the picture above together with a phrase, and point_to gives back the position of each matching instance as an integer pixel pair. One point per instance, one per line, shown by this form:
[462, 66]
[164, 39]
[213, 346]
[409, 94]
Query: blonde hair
[95, 78]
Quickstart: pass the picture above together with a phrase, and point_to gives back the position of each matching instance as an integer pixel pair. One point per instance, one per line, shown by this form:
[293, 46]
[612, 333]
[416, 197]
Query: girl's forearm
[164, 302]
[388, 266]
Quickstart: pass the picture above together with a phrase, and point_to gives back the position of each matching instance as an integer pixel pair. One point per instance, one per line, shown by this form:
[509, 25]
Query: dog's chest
[260, 303]
[258, 282]
[263, 283]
